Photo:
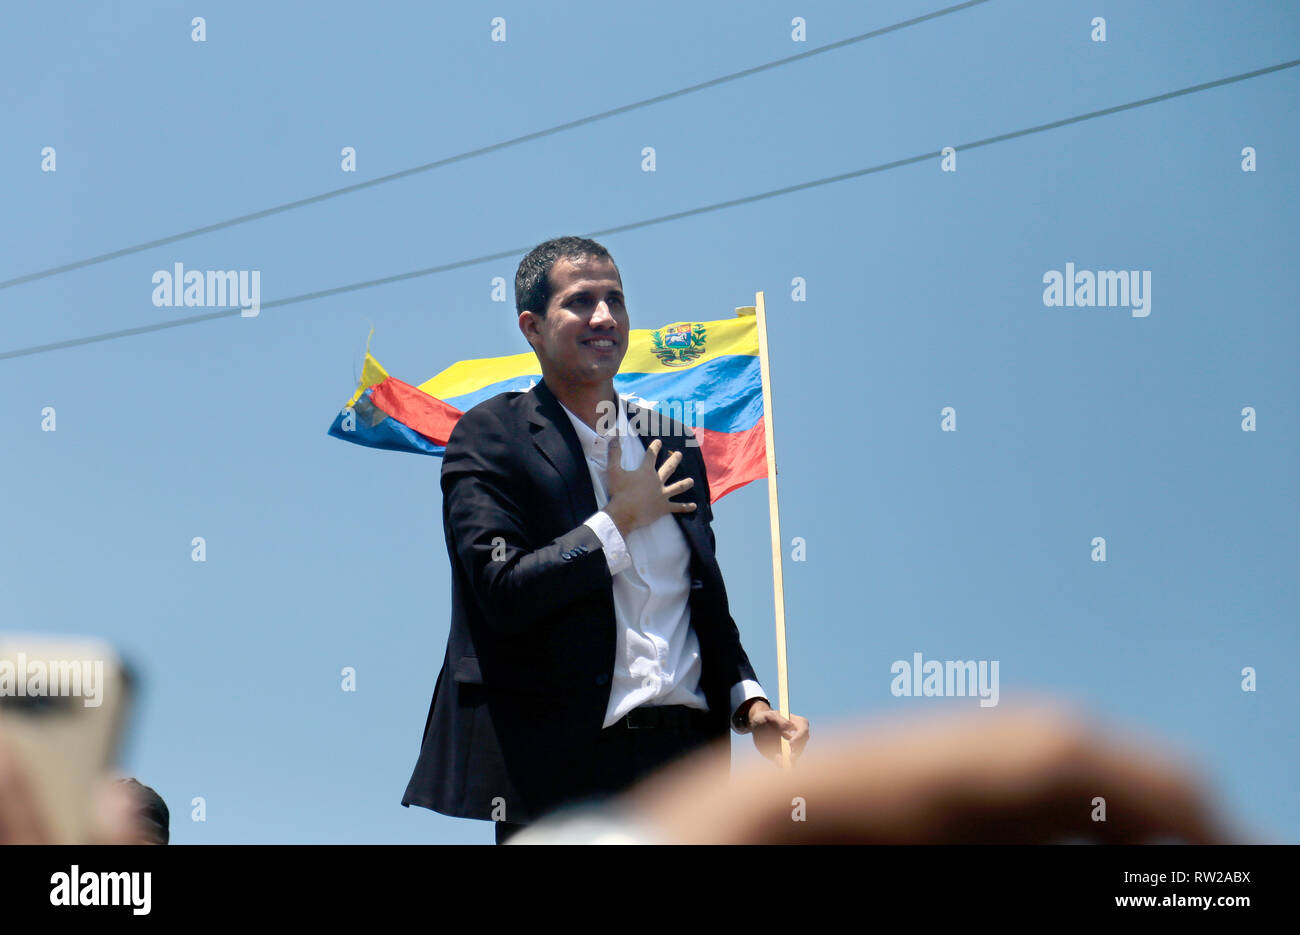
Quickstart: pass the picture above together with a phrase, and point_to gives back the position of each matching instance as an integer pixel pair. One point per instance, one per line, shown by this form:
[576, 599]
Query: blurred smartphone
[63, 706]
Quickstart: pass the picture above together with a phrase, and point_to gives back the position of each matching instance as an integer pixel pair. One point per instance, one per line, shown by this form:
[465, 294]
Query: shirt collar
[592, 443]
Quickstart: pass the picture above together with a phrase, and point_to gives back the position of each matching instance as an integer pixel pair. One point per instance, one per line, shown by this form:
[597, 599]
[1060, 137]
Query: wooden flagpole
[774, 515]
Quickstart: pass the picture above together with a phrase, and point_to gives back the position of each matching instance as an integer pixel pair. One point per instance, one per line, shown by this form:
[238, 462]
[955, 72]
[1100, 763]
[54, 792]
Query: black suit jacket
[524, 685]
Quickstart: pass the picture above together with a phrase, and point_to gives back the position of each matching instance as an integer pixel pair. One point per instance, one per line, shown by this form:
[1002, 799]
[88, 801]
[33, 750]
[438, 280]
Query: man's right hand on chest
[641, 496]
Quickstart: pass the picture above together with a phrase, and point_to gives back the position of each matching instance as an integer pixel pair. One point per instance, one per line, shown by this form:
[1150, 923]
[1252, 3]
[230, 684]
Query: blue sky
[924, 290]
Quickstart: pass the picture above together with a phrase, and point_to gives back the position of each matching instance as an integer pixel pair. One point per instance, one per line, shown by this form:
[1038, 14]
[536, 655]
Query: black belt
[672, 717]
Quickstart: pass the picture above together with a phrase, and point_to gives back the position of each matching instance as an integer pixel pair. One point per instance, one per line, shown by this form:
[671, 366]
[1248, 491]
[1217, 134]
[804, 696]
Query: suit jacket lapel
[554, 436]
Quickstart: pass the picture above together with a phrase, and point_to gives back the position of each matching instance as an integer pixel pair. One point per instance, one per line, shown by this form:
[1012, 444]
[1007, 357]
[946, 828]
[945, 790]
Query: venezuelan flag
[705, 374]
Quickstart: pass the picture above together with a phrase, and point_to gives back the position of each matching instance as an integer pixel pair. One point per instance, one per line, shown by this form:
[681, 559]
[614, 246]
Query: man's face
[583, 337]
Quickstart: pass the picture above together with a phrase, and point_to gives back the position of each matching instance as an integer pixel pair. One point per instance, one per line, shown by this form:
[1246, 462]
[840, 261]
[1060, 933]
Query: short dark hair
[152, 817]
[533, 278]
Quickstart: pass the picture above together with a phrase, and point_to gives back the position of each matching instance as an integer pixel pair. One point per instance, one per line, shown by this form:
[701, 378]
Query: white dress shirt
[657, 659]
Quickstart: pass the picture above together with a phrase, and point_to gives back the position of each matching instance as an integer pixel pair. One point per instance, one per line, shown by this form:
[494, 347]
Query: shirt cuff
[611, 540]
[740, 693]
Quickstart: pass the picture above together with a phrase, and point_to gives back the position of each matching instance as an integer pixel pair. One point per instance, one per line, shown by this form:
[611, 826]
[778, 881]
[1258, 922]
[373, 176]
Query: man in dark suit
[591, 641]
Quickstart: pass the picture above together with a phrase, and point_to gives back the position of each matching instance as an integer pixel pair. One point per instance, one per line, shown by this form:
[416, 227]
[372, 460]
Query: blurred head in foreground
[133, 813]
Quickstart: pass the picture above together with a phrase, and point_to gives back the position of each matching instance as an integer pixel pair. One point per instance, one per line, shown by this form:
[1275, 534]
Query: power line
[716, 206]
[473, 153]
